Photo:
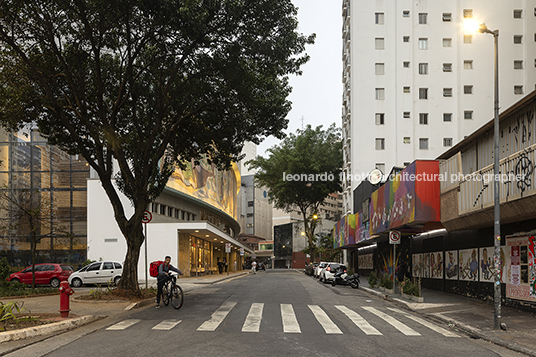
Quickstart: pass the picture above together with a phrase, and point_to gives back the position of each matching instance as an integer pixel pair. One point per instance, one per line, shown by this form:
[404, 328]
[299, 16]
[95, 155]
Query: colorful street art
[418, 265]
[426, 265]
[519, 268]
[486, 264]
[436, 265]
[451, 265]
[468, 264]
[365, 261]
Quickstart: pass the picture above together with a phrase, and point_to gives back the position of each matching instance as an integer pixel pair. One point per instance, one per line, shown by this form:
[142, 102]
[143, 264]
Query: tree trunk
[129, 277]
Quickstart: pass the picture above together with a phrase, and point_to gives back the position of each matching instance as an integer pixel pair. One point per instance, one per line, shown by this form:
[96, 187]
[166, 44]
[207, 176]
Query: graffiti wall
[366, 261]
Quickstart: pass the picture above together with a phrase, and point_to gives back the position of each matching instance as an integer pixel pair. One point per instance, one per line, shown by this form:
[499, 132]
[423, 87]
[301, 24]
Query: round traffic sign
[147, 217]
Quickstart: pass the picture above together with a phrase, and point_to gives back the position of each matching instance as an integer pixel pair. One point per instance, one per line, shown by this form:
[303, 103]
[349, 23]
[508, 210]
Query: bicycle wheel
[165, 294]
[177, 297]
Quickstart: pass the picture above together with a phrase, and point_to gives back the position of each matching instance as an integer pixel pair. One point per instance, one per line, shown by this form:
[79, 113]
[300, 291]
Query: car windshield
[67, 267]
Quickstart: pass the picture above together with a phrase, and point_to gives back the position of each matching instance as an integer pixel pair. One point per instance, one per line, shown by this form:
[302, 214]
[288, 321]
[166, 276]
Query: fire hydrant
[65, 292]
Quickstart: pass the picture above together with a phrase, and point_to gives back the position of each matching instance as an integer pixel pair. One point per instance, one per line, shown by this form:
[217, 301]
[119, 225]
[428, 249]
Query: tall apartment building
[415, 83]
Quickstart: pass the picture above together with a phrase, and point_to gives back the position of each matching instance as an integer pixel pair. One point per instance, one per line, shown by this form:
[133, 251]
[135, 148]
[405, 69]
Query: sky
[317, 93]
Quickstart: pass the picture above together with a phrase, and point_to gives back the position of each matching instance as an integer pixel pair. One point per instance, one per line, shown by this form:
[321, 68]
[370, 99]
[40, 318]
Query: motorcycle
[342, 278]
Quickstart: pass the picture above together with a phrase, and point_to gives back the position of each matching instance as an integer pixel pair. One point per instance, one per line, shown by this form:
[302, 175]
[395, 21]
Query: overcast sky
[317, 94]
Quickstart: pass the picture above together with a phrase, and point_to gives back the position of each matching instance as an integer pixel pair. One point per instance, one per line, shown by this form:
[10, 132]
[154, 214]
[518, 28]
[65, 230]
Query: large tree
[301, 172]
[148, 84]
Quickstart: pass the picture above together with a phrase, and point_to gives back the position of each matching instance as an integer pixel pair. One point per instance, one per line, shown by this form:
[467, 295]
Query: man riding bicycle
[163, 276]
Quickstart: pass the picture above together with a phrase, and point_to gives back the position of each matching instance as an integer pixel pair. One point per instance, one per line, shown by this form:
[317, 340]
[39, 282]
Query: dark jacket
[163, 269]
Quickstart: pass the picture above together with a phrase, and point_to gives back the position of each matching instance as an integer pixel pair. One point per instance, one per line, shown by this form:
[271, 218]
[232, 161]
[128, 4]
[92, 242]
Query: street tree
[147, 85]
[301, 172]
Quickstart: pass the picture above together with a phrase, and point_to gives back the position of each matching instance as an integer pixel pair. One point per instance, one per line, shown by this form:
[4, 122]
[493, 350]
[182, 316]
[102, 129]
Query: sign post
[394, 239]
[228, 250]
[147, 217]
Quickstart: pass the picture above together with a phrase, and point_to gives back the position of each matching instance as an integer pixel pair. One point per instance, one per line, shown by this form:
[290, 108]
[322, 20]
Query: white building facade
[416, 84]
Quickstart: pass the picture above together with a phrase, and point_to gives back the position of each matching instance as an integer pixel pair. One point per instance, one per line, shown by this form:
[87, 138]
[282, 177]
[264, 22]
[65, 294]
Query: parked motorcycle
[342, 278]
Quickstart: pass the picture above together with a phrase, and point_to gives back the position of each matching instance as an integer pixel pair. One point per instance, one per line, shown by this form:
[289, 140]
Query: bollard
[65, 292]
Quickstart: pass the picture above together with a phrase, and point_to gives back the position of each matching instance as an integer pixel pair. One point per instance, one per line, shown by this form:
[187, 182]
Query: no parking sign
[394, 237]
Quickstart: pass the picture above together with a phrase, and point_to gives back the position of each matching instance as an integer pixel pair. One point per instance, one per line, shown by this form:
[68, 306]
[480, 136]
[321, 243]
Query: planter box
[417, 298]
[405, 296]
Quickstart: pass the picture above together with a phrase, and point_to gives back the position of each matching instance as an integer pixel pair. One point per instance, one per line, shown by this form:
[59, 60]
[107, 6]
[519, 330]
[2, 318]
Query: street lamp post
[482, 28]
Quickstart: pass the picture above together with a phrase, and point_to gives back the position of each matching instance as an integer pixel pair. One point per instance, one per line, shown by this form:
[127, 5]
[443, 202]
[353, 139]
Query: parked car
[318, 269]
[326, 275]
[310, 268]
[97, 273]
[45, 274]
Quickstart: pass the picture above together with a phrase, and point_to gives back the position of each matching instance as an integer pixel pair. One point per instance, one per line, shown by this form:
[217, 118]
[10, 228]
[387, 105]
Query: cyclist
[163, 277]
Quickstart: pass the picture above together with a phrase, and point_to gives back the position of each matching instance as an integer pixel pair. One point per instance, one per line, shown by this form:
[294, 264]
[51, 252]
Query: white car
[318, 269]
[329, 270]
[97, 273]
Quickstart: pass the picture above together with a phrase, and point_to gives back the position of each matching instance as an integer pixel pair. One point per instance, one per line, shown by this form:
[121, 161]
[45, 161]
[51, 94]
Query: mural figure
[485, 263]
[473, 266]
[452, 267]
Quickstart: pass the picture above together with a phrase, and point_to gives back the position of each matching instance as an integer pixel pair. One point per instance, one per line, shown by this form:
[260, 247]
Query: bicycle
[171, 292]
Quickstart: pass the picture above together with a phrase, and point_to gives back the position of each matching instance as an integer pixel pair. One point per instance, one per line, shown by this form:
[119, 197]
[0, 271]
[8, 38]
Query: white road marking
[359, 321]
[324, 320]
[428, 324]
[123, 324]
[393, 322]
[290, 324]
[217, 317]
[253, 320]
[167, 325]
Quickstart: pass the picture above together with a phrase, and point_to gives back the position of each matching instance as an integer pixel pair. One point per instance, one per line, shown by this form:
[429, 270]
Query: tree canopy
[148, 84]
[301, 172]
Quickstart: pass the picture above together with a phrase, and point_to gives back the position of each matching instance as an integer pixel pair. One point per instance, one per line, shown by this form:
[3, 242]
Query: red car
[45, 274]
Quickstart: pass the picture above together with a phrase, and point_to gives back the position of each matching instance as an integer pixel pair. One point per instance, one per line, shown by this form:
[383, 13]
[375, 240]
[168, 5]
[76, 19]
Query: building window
[423, 118]
[447, 141]
[447, 17]
[447, 92]
[380, 118]
[468, 114]
[380, 144]
[517, 14]
[406, 38]
[447, 117]
[406, 64]
[467, 13]
[380, 166]
[380, 68]
[406, 115]
[170, 211]
[250, 204]
[447, 67]
[518, 64]
[380, 93]
[407, 140]
[405, 13]
[423, 18]
[423, 93]
[467, 89]
[447, 42]
[249, 215]
[177, 213]
[406, 89]
[423, 68]
[423, 43]
[379, 18]
[154, 207]
[423, 143]
[163, 209]
[467, 64]
[518, 89]
[380, 43]
[467, 38]
[518, 39]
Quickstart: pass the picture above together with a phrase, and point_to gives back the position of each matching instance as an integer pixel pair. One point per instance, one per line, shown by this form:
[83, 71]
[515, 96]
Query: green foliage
[5, 269]
[11, 288]
[385, 281]
[7, 310]
[372, 279]
[87, 262]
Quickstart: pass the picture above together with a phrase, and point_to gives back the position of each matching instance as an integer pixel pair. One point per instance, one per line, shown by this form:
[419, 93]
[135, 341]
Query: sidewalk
[473, 316]
[85, 311]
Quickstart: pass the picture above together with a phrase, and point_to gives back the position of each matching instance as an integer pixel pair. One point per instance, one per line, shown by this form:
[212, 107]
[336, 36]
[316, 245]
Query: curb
[46, 329]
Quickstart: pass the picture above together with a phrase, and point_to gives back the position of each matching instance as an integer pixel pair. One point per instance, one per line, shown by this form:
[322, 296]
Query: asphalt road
[276, 313]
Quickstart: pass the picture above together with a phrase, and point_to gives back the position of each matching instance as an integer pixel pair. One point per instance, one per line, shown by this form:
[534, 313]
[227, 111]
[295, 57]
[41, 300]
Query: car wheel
[116, 280]
[15, 280]
[325, 280]
[55, 282]
[76, 283]
[333, 282]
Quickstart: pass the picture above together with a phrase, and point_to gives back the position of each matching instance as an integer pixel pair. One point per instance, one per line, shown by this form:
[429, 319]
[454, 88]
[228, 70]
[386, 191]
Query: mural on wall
[205, 182]
[519, 268]
[486, 264]
[436, 265]
[417, 265]
[451, 265]
[365, 261]
[426, 265]
[468, 263]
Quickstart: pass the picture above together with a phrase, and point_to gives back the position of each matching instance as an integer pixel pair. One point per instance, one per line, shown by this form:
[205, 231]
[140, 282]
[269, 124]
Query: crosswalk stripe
[253, 320]
[428, 324]
[167, 325]
[324, 320]
[217, 317]
[359, 321]
[393, 322]
[123, 324]
[290, 323]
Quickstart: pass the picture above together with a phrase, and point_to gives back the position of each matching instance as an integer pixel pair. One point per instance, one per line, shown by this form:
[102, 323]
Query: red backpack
[153, 269]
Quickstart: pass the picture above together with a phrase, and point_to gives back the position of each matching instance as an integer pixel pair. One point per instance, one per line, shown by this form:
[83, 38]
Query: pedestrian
[235, 266]
[226, 264]
[254, 267]
[220, 266]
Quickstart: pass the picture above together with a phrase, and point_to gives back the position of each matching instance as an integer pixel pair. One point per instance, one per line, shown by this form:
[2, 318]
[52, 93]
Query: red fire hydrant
[65, 292]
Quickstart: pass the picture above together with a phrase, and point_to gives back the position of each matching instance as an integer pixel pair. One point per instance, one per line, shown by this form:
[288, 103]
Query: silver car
[97, 273]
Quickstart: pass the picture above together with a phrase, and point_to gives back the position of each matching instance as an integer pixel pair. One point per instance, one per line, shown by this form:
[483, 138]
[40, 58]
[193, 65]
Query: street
[277, 313]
